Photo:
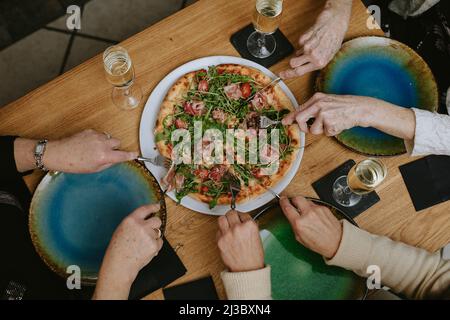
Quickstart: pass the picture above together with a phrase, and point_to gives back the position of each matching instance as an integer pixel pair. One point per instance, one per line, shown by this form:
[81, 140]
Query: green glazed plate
[380, 68]
[297, 272]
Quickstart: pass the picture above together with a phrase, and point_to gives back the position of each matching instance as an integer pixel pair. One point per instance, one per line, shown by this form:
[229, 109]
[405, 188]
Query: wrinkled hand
[314, 226]
[85, 152]
[322, 41]
[136, 241]
[334, 114]
[239, 242]
[133, 245]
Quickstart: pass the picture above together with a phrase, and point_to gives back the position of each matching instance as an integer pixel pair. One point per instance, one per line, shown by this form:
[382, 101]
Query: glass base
[127, 98]
[343, 195]
[261, 45]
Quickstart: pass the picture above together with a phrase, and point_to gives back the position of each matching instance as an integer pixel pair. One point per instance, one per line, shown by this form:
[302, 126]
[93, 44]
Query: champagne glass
[362, 179]
[266, 20]
[120, 73]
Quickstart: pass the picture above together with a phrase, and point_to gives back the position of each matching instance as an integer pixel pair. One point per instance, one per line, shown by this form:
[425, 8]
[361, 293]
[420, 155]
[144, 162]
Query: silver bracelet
[39, 151]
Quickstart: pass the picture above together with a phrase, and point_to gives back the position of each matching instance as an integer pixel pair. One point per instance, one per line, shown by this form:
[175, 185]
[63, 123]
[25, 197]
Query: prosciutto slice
[233, 91]
[194, 108]
[168, 181]
[259, 101]
[219, 115]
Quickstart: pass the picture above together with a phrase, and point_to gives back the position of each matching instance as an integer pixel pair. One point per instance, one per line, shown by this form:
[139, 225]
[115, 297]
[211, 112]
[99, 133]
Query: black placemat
[202, 289]
[283, 50]
[165, 268]
[427, 181]
[324, 188]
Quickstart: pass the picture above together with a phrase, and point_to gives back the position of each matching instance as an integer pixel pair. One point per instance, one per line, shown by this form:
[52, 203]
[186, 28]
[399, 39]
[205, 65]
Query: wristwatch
[39, 154]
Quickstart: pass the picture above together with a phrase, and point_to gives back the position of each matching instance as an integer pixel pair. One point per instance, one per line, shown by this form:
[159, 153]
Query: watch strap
[39, 154]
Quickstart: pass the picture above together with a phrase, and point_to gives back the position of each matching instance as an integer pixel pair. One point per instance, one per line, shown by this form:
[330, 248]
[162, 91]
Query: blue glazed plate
[73, 217]
[297, 272]
[385, 69]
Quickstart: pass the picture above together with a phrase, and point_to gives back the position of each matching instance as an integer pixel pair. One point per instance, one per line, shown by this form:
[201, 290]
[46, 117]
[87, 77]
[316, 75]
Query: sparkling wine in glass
[266, 20]
[119, 72]
[362, 179]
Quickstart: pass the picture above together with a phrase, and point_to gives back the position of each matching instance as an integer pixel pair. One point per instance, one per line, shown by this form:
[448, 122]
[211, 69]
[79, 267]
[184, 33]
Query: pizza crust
[173, 97]
[280, 101]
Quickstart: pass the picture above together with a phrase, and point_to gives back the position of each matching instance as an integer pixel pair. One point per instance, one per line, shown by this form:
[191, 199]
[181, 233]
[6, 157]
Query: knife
[273, 83]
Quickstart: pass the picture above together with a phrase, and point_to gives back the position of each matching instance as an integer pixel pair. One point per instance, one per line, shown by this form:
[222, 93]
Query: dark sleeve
[10, 179]
[7, 161]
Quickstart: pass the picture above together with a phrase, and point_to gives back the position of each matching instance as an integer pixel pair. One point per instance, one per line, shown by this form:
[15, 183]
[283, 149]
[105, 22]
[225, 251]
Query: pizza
[222, 98]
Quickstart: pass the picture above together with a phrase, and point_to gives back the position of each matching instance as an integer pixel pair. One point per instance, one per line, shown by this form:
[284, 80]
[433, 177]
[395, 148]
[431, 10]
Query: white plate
[150, 115]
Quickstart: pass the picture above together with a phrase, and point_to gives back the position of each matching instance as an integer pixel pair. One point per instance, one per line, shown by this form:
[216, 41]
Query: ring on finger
[158, 232]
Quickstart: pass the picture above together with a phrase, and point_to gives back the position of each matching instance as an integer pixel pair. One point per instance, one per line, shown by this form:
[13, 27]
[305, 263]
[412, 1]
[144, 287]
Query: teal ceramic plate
[385, 69]
[297, 272]
[73, 217]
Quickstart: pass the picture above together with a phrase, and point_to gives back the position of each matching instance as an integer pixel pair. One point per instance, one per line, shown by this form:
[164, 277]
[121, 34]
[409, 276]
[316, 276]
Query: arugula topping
[235, 113]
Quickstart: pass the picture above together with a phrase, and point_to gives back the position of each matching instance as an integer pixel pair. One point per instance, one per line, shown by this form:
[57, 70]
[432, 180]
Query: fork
[265, 122]
[235, 188]
[159, 161]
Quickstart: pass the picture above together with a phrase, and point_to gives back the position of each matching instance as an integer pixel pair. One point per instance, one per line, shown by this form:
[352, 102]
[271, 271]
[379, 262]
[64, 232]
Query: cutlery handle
[233, 203]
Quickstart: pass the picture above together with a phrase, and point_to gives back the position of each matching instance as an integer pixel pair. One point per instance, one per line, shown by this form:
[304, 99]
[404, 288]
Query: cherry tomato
[201, 173]
[204, 189]
[246, 90]
[257, 173]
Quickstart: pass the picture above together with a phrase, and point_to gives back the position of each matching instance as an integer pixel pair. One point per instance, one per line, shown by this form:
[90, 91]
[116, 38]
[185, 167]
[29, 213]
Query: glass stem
[261, 40]
[127, 92]
[347, 190]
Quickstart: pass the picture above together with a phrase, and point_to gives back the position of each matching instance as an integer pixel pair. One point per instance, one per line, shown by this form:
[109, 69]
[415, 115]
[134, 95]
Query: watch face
[39, 148]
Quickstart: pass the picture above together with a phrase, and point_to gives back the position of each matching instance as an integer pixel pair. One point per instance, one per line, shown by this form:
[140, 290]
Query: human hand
[334, 113]
[322, 41]
[136, 241]
[239, 242]
[314, 226]
[85, 152]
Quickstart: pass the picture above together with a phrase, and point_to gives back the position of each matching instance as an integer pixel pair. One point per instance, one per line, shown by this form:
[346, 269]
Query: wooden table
[80, 99]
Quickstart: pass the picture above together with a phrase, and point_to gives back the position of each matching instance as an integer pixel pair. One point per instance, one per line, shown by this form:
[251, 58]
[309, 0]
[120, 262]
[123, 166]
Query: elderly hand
[133, 245]
[334, 114]
[321, 42]
[314, 226]
[85, 152]
[239, 242]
